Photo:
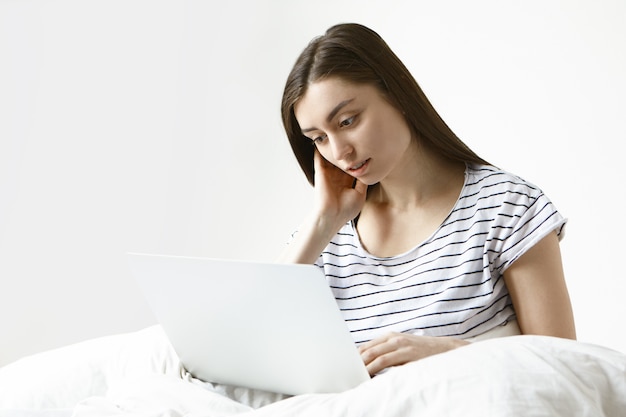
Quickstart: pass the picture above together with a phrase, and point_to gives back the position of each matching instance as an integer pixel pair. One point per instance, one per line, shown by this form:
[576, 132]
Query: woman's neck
[419, 178]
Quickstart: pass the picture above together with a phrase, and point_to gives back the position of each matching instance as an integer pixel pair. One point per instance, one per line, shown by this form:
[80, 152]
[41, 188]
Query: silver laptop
[273, 327]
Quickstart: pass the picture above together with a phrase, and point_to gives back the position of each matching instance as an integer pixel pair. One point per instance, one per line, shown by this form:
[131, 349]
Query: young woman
[424, 244]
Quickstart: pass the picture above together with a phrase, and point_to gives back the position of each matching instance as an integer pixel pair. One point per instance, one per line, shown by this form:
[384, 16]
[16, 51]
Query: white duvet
[139, 375]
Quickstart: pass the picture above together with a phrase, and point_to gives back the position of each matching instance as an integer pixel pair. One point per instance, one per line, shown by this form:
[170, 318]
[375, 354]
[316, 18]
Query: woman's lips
[359, 169]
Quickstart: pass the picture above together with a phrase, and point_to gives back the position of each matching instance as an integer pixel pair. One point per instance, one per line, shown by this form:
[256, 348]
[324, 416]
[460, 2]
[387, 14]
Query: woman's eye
[319, 139]
[347, 122]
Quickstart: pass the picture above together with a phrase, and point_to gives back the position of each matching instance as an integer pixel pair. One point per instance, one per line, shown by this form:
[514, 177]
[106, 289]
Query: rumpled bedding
[139, 375]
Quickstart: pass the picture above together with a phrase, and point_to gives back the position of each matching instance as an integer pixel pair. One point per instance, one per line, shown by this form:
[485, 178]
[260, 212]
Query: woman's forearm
[309, 241]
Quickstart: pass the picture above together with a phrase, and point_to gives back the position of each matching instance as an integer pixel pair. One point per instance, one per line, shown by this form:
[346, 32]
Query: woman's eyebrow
[332, 113]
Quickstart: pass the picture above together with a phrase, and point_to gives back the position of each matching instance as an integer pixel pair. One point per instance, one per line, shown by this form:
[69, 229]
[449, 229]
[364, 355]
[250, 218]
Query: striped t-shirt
[451, 284]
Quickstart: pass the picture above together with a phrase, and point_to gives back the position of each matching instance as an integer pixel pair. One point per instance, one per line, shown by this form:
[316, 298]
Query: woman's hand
[399, 348]
[339, 197]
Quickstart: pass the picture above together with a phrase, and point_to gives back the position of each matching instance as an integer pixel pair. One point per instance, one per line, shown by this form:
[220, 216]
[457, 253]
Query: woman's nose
[340, 148]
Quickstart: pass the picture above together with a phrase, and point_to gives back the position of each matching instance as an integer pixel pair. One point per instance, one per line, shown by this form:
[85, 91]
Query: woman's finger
[399, 348]
[392, 350]
[374, 348]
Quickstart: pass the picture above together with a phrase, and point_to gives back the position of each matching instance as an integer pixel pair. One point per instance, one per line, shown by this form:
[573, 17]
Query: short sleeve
[532, 218]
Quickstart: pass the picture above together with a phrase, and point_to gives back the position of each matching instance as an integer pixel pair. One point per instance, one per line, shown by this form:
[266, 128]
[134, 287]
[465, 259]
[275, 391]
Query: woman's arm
[536, 283]
[338, 199]
[309, 242]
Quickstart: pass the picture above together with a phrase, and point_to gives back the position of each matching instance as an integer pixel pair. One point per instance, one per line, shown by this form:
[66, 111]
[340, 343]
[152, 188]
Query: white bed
[138, 374]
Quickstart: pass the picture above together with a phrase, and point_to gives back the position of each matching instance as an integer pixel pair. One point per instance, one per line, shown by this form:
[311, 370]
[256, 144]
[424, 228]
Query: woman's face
[355, 128]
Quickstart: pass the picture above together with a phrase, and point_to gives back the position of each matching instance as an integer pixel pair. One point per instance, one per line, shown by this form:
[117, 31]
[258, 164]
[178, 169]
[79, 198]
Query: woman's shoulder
[488, 179]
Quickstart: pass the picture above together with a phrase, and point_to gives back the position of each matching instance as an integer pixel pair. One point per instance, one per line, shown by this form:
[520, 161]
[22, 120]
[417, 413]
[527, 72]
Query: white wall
[154, 126]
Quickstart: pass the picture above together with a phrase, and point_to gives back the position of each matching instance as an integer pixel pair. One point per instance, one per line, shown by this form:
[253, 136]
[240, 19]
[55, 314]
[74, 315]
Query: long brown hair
[359, 55]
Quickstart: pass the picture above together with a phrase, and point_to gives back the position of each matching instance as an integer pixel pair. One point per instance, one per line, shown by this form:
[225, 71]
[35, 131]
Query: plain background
[154, 126]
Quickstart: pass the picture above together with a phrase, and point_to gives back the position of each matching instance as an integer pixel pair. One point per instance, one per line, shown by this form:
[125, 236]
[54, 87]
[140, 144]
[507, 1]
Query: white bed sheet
[141, 376]
[37, 413]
